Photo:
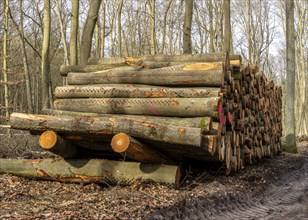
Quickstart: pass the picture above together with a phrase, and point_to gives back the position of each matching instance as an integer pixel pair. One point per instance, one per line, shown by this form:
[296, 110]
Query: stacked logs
[162, 109]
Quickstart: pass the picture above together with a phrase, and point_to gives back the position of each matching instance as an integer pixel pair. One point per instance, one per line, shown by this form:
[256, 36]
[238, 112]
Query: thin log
[91, 171]
[52, 142]
[65, 69]
[211, 77]
[133, 92]
[181, 107]
[204, 123]
[108, 125]
[107, 61]
[133, 149]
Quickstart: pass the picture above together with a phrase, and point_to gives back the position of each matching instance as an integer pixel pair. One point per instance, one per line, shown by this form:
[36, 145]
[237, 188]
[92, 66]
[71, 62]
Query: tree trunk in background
[103, 29]
[74, 32]
[212, 48]
[290, 145]
[227, 25]
[153, 34]
[120, 27]
[248, 29]
[87, 34]
[62, 31]
[164, 26]
[187, 47]
[5, 78]
[25, 61]
[45, 56]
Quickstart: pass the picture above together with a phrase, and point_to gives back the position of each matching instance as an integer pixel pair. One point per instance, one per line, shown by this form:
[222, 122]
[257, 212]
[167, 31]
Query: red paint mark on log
[222, 120]
[230, 118]
[152, 109]
[219, 109]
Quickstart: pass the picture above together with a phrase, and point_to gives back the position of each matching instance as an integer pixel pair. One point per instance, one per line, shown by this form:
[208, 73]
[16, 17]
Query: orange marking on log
[155, 94]
[202, 66]
[182, 131]
[42, 173]
[33, 161]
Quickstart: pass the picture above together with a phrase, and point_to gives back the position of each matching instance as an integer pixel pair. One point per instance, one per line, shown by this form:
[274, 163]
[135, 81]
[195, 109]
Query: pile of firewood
[162, 109]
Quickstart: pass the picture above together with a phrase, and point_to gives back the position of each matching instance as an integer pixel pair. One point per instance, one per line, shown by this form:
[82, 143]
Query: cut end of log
[120, 142]
[48, 139]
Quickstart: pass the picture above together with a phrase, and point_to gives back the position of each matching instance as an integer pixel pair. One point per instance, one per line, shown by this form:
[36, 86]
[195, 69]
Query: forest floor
[274, 188]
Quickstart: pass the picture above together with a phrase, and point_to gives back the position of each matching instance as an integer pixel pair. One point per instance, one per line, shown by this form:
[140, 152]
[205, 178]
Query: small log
[133, 149]
[210, 78]
[65, 69]
[52, 142]
[108, 125]
[181, 107]
[107, 61]
[119, 91]
[91, 171]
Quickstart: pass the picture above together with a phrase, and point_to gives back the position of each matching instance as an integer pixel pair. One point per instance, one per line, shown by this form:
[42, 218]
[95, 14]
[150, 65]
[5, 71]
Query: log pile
[163, 109]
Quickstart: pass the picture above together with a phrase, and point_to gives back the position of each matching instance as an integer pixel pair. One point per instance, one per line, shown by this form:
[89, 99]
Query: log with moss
[204, 123]
[180, 107]
[118, 91]
[91, 171]
[108, 125]
[214, 77]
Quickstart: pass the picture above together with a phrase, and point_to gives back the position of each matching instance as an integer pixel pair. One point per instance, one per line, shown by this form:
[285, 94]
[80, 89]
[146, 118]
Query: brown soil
[274, 188]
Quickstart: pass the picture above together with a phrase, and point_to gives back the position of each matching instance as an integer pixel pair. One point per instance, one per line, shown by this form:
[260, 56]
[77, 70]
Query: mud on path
[274, 188]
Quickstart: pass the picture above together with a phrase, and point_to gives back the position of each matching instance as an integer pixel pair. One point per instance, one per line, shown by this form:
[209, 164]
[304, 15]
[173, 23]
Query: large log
[133, 149]
[204, 123]
[52, 142]
[119, 91]
[180, 107]
[212, 77]
[91, 171]
[65, 69]
[107, 125]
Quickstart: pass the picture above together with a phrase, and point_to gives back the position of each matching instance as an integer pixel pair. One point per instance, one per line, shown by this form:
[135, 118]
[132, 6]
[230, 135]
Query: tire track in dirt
[285, 198]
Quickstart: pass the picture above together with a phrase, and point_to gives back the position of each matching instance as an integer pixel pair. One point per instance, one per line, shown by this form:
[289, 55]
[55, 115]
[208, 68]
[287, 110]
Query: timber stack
[162, 109]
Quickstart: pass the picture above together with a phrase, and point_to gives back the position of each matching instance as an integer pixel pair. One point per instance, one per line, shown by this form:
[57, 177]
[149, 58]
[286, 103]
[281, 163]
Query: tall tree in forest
[249, 30]
[187, 44]
[102, 52]
[120, 27]
[165, 25]
[5, 70]
[153, 33]
[227, 25]
[20, 31]
[290, 145]
[87, 34]
[74, 32]
[45, 56]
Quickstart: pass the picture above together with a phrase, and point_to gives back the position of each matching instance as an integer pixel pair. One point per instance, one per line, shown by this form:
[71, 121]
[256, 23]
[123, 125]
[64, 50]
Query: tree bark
[45, 56]
[91, 171]
[102, 52]
[133, 149]
[5, 69]
[108, 125]
[227, 26]
[187, 44]
[65, 69]
[120, 27]
[87, 34]
[52, 142]
[74, 32]
[180, 107]
[118, 91]
[153, 34]
[290, 145]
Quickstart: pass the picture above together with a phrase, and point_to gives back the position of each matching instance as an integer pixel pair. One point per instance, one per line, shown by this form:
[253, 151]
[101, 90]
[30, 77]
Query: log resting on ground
[108, 125]
[181, 107]
[91, 171]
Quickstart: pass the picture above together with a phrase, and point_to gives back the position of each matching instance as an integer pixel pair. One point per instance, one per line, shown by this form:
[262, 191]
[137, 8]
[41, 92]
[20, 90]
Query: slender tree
[102, 52]
[74, 32]
[87, 34]
[290, 145]
[120, 27]
[187, 47]
[45, 56]
[227, 26]
[153, 33]
[5, 70]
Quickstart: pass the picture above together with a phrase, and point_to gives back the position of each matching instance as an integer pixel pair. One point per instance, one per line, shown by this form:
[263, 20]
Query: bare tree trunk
[187, 47]
[86, 41]
[62, 31]
[164, 25]
[248, 29]
[290, 145]
[227, 26]
[74, 33]
[5, 71]
[45, 56]
[212, 48]
[103, 29]
[153, 35]
[120, 27]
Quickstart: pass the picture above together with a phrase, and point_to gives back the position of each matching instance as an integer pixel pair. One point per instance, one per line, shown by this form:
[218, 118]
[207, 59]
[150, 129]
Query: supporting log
[211, 78]
[52, 142]
[181, 107]
[133, 149]
[133, 92]
[91, 171]
[108, 125]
